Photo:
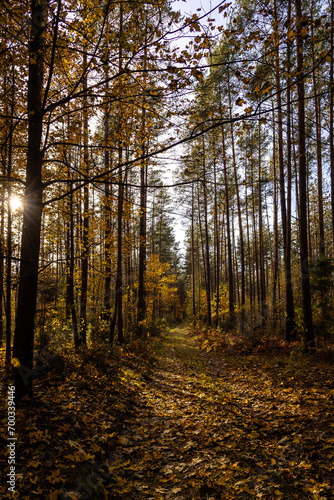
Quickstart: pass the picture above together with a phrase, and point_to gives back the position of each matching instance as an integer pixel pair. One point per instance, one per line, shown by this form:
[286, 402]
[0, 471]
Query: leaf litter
[182, 423]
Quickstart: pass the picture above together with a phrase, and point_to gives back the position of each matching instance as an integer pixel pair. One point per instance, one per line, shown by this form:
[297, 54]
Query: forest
[123, 125]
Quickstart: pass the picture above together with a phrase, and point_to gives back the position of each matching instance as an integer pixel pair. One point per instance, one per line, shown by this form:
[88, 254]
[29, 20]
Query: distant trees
[264, 160]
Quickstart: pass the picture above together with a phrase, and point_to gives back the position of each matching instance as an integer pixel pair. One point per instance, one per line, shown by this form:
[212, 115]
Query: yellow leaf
[55, 477]
[240, 102]
[16, 362]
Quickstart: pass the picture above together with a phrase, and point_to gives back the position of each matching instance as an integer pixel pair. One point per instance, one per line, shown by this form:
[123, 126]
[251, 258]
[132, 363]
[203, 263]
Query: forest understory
[179, 418]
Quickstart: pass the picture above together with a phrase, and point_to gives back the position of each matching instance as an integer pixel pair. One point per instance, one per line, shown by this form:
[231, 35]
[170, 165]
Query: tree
[304, 261]
[27, 295]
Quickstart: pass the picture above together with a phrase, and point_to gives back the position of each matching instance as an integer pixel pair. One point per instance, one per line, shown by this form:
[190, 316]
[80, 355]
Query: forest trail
[206, 429]
[166, 420]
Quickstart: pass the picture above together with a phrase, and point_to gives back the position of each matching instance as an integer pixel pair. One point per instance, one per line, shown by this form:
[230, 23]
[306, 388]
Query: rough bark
[27, 295]
[85, 216]
[286, 225]
[228, 233]
[207, 247]
[304, 259]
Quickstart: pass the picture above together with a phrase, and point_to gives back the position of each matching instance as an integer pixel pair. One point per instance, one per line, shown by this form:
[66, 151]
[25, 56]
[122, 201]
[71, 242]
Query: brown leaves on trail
[184, 424]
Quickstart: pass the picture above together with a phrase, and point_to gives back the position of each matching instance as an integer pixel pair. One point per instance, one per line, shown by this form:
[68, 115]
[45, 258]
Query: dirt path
[193, 426]
[204, 429]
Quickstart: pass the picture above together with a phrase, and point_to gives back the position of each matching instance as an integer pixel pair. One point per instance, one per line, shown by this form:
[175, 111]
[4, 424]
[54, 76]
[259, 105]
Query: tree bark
[317, 112]
[263, 308]
[107, 209]
[331, 117]
[275, 253]
[217, 242]
[32, 214]
[228, 233]
[85, 217]
[207, 247]
[71, 298]
[289, 307]
[141, 313]
[193, 255]
[304, 260]
[118, 311]
[290, 332]
[9, 238]
[241, 231]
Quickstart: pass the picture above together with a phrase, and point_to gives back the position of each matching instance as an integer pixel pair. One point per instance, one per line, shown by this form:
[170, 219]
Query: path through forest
[207, 428]
[166, 420]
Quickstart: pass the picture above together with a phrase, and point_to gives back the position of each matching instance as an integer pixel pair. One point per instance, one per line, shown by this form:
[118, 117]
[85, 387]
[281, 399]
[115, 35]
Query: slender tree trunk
[248, 246]
[32, 214]
[207, 247]
[68, 257]
[85, 217]
[107, 247]
[193, 255]
[331, 118]
[261, 244]
[290, 333]
[306, 292]
[217, 242]
[231, 300]
[239, 210]
[2, 225]
[118, 311]
[289, 325]
[317, 112]
[9, 240]
[275, 256]
[142, 253]
[141, 314]
[107, 203]
[201, 238]
[71, 277]
[256, 275]
[154, 293]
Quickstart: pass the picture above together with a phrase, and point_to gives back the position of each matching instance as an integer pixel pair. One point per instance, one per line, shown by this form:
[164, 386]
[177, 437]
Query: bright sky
[189, 7]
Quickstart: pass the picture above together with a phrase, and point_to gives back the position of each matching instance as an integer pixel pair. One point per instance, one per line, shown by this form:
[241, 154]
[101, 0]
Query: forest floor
[177, 423]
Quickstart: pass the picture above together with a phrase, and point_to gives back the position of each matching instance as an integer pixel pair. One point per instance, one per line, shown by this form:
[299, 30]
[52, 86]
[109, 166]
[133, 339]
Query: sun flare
[15, 203]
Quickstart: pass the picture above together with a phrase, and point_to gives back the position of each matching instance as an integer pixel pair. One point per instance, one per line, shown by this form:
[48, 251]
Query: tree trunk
[263, 309]
[142, 252]
[275, 256]
[71, 277]
[317, 112]
[217, 245]
[306, 292]
[241, 231]
[9, 239]
[290, 333]
[107, 209]
[248, 245]
[207, 248]
[331, 117]
[141, 314]
[118, 311]
[2, 225]
[85, 229]
[228, 233]
[193, 255]
[289, 325]
[32, 214]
